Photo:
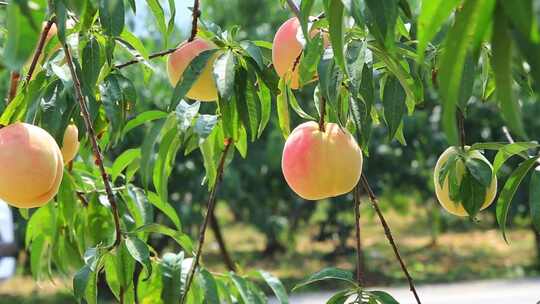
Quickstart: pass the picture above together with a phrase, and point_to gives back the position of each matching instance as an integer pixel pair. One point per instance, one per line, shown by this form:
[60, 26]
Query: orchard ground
[457, 256]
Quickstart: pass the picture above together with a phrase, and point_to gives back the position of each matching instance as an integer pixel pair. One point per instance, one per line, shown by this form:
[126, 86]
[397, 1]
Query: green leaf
[355, 59]
[433, 15]
[166, 208]
[80, 281]
[330, 77]
[450, 164]
[480, 170]
[148, 151]
[168, 149]
[469, 21]
[521, 15]
[123, 161]
[246, 293]
[143, 118]
[23, 29]
[327, 274]
[190, 75]
[534, 198]
[295, 106]
[381, 16]
[61, 15]
[305, 11]
[185, 113]
[138, 206]
[224, 74]
[208, 284]
[245, 102]
[283, 110]
[171, 278]
[472, 193]
[92, 61]
[310, 58]
[139, 251]
[510, 150]
[159, 15]
[276, 286]
[334, 13]
[394, 105]
[488, 146]
[384, 297]
[111, 16]
[509, 190]
[117, 92]
[266, 105]
[182, 239]
[501, 44]
[340, 297]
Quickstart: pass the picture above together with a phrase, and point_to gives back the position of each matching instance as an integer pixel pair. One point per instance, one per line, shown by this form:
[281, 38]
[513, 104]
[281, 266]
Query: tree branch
[39, 49]
[209, 211]
[507, 134]
[95, 147]
[151, 56]
[13, 84]
[359, 255]
[196, 14]
[388, 234]
[294, 8]
[322, 109]
[461, 126]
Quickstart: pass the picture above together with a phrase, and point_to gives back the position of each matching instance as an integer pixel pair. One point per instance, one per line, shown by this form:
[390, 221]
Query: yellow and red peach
[443, 193]
[70, 143]
[286, 48]
[321, 164]
[32, 166]
[204, 88]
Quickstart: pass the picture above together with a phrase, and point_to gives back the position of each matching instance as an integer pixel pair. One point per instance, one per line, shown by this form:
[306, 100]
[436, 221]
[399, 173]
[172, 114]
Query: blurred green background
[263, 224]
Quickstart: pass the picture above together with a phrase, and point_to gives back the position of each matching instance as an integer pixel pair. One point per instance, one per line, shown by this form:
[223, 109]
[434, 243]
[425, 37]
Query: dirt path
[520, 291]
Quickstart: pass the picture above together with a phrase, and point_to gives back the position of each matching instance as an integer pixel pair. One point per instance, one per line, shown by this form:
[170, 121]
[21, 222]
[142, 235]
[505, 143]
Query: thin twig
[95, 146]
[359, 257]
[39, 49]
[389, 236]
[82, 198]
[294, 8]
[196, 14]
[210, 210]
[139, 58]
[507, 134]
[461, 127]
[13, 84]
[322, 109]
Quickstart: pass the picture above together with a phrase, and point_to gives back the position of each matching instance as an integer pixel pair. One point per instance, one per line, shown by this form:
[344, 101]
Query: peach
[319, 165]
[286, 48]
[70, 143]
[204, 88]
[443, 194]
[31, 166]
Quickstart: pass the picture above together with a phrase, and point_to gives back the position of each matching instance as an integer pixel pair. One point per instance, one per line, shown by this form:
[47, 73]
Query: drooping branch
[39, 49]
[195, 17]
[388, 233]
[95, 147]
[209, 211]
[359, 257]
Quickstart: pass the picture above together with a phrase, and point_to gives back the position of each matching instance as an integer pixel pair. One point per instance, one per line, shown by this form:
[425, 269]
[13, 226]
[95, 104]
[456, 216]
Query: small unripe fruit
[31, 166]
[204, 89]
[70, 143]
[319, 165]
[286, 48]
[443, 194]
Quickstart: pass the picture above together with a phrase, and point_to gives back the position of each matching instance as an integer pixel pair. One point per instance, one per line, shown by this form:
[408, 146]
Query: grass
[464, 255]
